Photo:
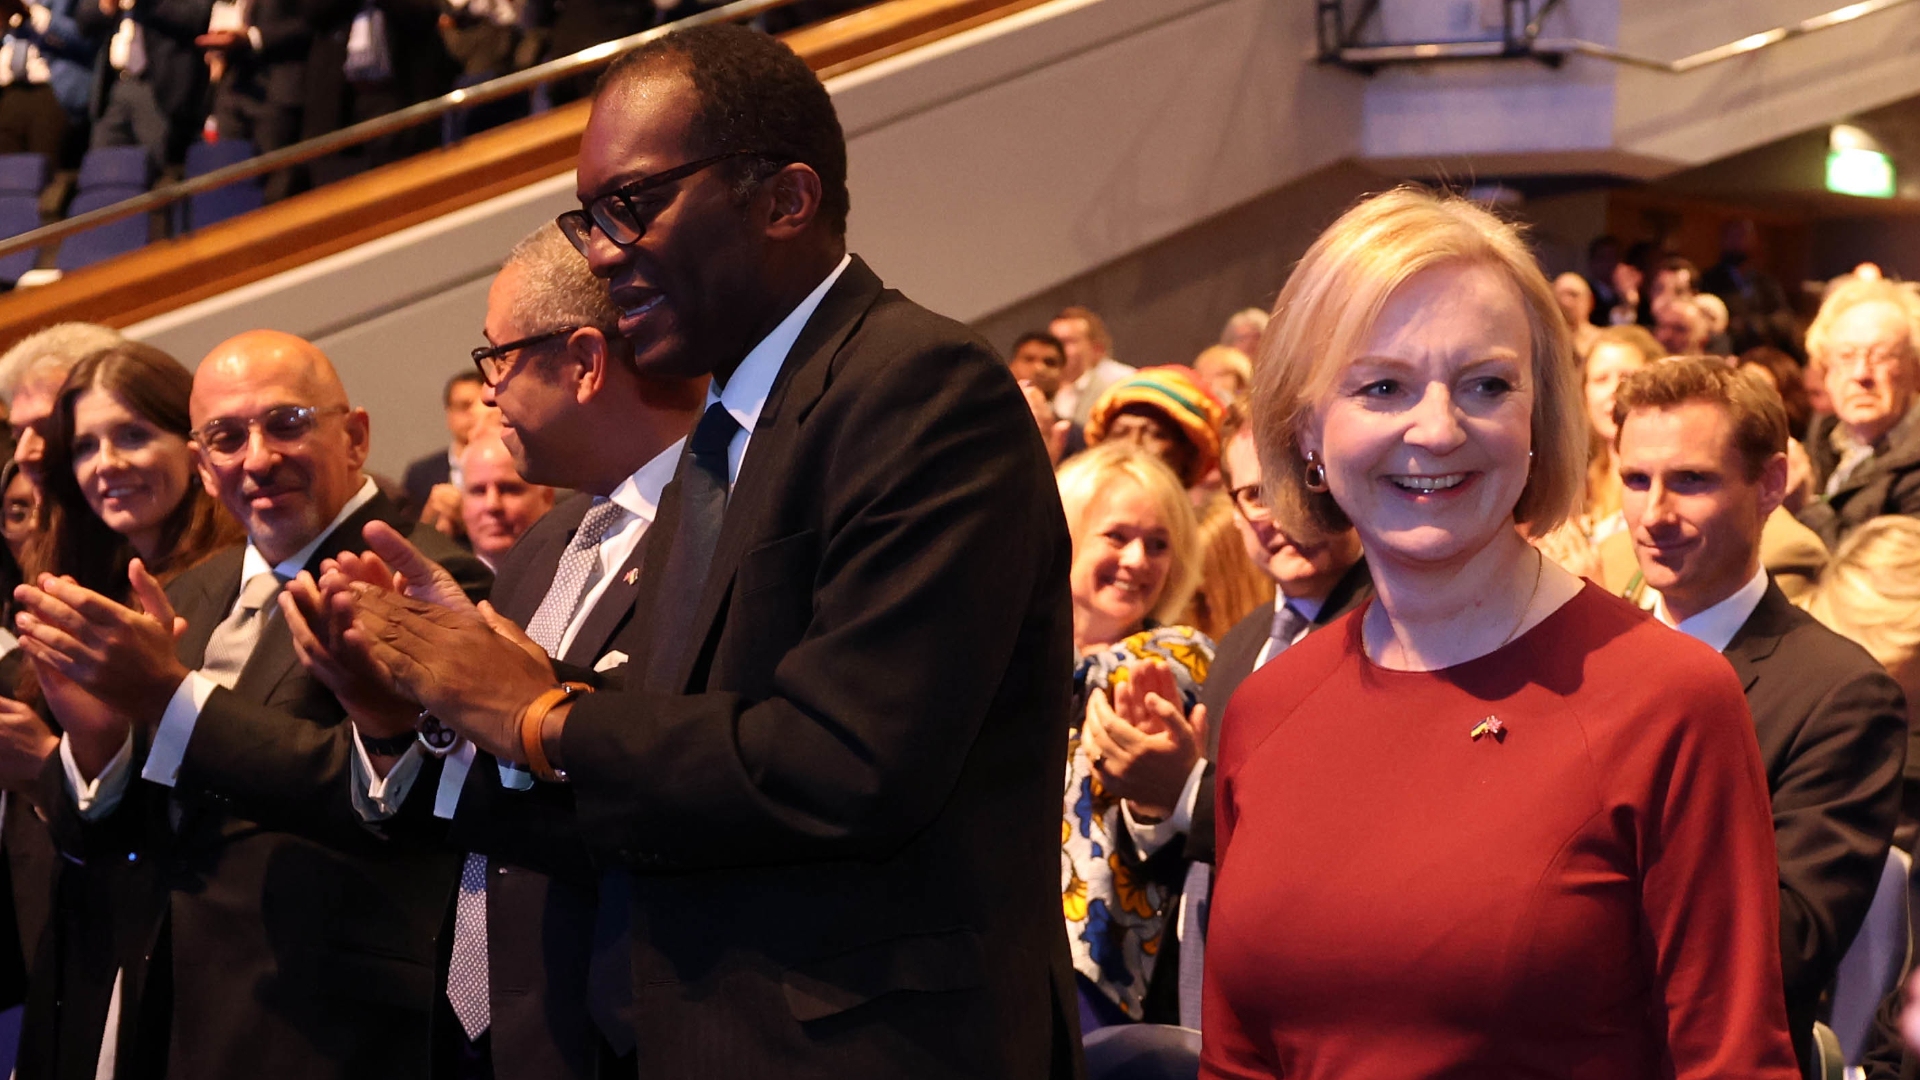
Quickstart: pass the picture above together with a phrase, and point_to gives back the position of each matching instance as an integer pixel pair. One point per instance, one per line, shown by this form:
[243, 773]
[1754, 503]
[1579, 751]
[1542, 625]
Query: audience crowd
[79, 75]
[764, 681]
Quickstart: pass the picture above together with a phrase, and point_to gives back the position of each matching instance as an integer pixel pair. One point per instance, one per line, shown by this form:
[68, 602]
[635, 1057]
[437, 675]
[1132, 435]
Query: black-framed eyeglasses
[1251, 502]
[494, 361]
[618, 214]
[226, 438]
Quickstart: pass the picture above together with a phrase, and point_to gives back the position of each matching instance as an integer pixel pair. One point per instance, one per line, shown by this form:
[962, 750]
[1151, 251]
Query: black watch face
[437, 735]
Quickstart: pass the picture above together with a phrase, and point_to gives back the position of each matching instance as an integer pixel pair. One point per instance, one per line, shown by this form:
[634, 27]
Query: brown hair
[1096, 327]
[155, 387]
[1790, 380]
[1759, 419]
[1328, 308]
[1230, 584]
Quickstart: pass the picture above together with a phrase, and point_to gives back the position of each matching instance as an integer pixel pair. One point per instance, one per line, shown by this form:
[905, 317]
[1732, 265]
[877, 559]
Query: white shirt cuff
[453, 778]
[376, 797]
[1148, 839]
[254, 39]
[97, 798]
[176, 729]
[515, 777]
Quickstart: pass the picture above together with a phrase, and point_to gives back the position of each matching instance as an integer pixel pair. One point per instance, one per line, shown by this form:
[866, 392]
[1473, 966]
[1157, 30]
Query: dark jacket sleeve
[1835, 803]
[249, 759]
[935, 498]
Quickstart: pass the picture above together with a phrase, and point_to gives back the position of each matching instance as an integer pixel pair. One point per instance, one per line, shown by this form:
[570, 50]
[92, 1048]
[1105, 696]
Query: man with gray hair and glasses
[30, 377]
[1866, 456]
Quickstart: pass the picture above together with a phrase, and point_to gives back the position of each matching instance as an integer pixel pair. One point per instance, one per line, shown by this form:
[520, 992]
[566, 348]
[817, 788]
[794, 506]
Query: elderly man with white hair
[1866, 456]
[30, 376]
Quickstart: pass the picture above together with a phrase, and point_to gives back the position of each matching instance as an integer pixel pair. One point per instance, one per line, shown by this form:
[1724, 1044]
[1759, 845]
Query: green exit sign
[1855, 171]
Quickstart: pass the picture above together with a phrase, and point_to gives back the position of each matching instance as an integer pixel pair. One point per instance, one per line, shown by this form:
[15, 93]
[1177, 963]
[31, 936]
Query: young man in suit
[827, 796]
[1702, 452]
[1314, 585]
[274, 933]
[441, 466]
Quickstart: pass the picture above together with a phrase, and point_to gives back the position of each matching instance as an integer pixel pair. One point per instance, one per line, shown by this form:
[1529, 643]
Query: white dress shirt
[1717, 625]
[639, 496]
[98, 798]
[745, 393]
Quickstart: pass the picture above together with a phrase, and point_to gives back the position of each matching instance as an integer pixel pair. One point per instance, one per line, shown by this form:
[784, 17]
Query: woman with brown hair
[120, 473]
[1495, 822]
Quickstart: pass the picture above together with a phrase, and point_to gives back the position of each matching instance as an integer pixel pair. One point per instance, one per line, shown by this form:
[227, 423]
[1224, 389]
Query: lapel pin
[632, 576]
[1493, 726]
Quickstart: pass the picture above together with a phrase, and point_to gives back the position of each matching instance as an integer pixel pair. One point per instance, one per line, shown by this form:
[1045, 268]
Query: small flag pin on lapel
[632, 576]
[1493, 726]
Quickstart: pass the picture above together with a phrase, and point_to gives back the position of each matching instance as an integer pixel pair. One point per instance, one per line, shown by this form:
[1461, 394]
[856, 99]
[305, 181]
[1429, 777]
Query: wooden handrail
[170, 274]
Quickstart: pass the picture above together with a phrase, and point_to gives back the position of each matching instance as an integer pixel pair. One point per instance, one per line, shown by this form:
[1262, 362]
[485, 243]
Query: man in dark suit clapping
[1702, 452]
[827, 798]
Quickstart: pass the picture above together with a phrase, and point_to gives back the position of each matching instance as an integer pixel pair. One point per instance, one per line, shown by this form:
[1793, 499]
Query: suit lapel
[1759, 636]
[526, 575]
[801, 382]
[609, 612]
[273, 659]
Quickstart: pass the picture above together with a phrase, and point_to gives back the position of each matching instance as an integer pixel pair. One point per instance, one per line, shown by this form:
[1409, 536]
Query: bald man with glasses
[280, 930]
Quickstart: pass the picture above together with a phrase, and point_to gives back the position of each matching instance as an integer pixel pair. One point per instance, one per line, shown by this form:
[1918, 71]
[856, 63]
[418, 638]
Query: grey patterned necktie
[1287, 624]
[467, 966]
[234, 639]
[577, 564]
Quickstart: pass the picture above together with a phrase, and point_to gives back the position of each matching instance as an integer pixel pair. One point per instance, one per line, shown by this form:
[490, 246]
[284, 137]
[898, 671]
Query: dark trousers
[31, 121]
[238, 114]
[133, 117]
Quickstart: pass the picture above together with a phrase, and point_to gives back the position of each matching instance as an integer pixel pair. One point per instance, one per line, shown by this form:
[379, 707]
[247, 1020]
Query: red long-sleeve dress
[1591, 893]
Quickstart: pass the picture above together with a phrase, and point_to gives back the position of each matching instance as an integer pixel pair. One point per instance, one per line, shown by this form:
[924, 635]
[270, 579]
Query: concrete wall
[1163, 161]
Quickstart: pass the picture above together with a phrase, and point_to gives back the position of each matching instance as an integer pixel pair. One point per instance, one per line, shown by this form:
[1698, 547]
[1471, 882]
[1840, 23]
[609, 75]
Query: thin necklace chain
[1539, 567]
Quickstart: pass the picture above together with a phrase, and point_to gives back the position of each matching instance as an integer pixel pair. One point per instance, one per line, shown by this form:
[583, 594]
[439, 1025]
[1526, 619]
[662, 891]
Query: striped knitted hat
[1174, 390]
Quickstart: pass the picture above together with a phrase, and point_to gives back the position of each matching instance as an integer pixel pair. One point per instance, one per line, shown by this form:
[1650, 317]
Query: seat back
[101, 241]
[1825, 1063]
[22, 174]
[19, 213]
[1873, 964]
[225, 201]
[115, 167]
[1143, 1052]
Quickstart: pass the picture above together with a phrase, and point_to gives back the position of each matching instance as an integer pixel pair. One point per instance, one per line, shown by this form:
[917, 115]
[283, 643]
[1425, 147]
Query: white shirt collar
[639, 494]
[747, 388]
[253, 563]
[1717, 625]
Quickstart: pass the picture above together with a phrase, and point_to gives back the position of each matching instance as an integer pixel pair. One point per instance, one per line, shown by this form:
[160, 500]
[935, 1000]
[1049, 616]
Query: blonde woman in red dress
[1496, 823]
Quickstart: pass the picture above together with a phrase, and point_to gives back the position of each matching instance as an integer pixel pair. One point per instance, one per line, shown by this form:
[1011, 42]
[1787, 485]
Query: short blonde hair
[1851, 292]
[1085, 476]
[1230, 358]
[1330, 305]
[1870, 590]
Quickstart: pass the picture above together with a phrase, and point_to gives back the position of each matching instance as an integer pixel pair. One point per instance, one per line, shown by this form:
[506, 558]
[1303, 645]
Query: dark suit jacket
[542, 888]
[286, 938]
[1888, 484]
[1832, 727]
[176, 68]
[422, 475]
[841, 820]
[277, 72]
[1232, 663]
